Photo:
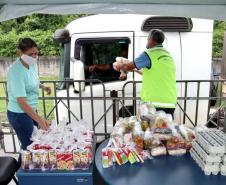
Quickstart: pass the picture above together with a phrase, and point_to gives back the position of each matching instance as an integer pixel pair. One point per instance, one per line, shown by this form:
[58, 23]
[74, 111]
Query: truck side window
[98, 56]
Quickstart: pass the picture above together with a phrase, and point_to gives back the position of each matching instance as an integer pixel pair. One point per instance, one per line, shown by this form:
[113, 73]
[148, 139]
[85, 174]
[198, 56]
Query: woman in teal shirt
[23, 89]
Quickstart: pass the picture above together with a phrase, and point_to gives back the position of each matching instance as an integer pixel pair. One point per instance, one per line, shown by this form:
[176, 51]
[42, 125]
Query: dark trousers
[23, 126]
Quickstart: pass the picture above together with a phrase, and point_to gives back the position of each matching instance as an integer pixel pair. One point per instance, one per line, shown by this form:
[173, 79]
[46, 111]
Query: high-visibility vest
[159, 82]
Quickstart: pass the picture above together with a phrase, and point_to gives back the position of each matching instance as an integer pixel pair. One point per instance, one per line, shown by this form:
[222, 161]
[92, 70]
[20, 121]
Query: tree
[40, 27]
[218, 38]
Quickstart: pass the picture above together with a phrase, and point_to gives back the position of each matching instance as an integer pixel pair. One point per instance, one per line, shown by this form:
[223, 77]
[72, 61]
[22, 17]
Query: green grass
[48, 103]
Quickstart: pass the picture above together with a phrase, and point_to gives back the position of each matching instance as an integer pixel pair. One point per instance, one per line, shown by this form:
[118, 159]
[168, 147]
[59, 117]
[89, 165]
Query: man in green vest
[159, 73]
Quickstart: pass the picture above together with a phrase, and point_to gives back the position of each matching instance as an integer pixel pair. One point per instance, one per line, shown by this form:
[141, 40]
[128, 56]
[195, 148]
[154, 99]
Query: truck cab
[97, 39]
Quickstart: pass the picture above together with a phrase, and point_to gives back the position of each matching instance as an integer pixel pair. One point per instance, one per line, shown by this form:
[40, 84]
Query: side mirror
[79, 74]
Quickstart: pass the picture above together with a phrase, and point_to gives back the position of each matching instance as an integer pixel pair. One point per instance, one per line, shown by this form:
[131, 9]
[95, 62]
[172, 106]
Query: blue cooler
[57, 177]
[38, 177]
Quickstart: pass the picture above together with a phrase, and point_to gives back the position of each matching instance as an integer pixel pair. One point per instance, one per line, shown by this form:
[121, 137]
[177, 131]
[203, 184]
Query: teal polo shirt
[22, 82]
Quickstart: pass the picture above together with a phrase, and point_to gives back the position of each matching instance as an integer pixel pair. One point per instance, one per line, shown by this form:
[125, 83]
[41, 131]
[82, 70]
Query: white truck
[96, 39]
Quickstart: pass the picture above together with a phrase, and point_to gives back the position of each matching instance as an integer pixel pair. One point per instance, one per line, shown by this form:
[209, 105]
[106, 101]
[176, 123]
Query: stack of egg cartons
[223, 166]
[209, 151]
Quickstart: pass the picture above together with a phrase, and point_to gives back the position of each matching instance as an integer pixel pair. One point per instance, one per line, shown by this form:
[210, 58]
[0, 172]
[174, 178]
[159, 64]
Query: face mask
[29, 60]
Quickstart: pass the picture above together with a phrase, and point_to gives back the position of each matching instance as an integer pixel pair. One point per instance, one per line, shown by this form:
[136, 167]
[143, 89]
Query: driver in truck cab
[159, 73]
[108, 68]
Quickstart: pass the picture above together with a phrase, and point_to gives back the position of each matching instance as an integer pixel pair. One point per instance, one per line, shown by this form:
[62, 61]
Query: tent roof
[209, 9]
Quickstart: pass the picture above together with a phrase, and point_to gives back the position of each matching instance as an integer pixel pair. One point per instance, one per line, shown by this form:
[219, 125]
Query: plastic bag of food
[117, 156]
[45, 160]
[89, 149]
[84, 159]
[119, 60]
[188, 134]
[52, 159]
[107, 160]
[37, 159]
[132, 120]
[129, 155]
[65, 161]
[162, 134]
[161, 128]
[25, 159]
[128, 124]
[145, 154]
[119, 128]
[158, 150]
[161, 120]
[137, 126]
[145, 125]
[128, 139]
[176, 146]
[122, 155]
[148, 139]
[138, 136]
[146, 112]
[137, 156]
[117, 137]
[76, 159]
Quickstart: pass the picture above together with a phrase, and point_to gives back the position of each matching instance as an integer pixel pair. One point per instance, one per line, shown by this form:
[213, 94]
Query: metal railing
[104, 107]
[195, 96]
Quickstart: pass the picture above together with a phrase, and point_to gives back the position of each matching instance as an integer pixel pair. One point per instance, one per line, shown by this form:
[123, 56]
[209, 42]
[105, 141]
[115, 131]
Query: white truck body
[192, 53]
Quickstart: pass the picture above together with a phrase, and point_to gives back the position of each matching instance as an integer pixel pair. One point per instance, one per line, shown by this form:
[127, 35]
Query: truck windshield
[98, 56]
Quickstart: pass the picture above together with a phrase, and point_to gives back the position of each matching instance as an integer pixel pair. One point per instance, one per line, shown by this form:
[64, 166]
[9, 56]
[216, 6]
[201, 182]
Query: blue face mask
[29, 60]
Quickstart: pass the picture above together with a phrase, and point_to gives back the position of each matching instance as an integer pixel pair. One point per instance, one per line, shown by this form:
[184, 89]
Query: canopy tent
[209, 9]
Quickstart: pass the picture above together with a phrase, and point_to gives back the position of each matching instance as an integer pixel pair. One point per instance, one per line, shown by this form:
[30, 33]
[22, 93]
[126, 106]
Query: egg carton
[223, 169]
[207, 158]
[207, 168]
[219, 136]
[210, 143]
[224, 160]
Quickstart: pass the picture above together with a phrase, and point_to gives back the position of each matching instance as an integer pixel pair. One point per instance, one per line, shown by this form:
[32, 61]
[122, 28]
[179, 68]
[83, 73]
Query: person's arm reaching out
[142, 61]
[130, 66]
[99, 67]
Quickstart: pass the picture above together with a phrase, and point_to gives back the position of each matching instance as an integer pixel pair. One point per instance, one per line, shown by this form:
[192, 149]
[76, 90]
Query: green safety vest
[159, 82]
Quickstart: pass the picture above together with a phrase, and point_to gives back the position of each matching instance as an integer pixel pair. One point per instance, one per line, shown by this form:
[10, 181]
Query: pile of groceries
[147, 135]
[62, 147]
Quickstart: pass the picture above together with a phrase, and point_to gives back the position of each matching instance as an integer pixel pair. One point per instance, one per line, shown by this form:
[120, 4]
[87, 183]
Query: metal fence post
[1, 134]
[114, 94]
[224, 129]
